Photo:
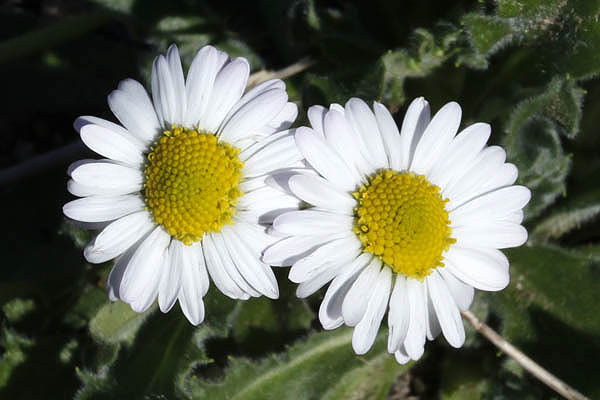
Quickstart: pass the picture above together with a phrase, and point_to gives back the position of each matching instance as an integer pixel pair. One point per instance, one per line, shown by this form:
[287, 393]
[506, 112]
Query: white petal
[460, 154]
[275, 203]
[417, 328]
[115, 276]
[326, 161]
[504, 175]
[132, 106]
[79, 190]
[357, 298]
[257, 274]
[227, 90]
[178, 83]
[346, 142]
[366, 331]
[461, 292]
[192, 283]
[390, 135]
[399, 315]
[477, 268]
[199, 83]
[258, 197]
[415, 121]
[401, 356]
[320, 193]
[317, 281]
[140, 280]
[437, 137]
[94, 188]
[229, 264]
[253, 115]
[193, 308]
[278, 153]
[217, 272]
[472, 184]
[280, 122]
[337, 107]
[491, 206]
[334, 253]
[80, 122]
[252, 94]
[102, 208]
[316, 116]
[363, 122]
[310, 222]
[446, 310]
[496, 234]
[279, 179]
[330, 311]
[118, 236]
[163, 92]
[113, 145]
[170, 281]
[289, 250]
[202, 276]
[262, 144]
[109, 178]
[432, 323]
[516, 217]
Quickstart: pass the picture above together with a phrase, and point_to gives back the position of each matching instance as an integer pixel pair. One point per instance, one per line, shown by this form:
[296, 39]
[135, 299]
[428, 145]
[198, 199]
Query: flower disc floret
[401, 218]
[192, 183]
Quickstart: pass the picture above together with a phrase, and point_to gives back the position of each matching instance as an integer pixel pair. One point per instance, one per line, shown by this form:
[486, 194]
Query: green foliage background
[528, 67]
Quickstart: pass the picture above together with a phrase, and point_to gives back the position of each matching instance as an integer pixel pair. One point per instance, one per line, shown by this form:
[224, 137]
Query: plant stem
[291, 70]
[527, 363]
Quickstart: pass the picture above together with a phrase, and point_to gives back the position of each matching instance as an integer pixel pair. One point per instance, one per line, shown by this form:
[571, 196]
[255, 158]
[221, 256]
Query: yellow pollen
[192, 183]
[401, 218]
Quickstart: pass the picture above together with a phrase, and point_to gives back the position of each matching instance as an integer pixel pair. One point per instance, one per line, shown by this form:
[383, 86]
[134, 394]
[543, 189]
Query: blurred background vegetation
[528, 67]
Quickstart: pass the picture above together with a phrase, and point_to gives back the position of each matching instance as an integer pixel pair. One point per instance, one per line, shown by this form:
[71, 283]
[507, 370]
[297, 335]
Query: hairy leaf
[306, 371]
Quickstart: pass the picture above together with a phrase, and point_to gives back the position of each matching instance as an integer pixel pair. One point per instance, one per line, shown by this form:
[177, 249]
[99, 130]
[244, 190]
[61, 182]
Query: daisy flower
[411, 221]
[180, 194]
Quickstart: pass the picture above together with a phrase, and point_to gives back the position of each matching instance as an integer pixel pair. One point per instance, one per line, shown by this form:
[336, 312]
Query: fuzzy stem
[291, 70]
[527, 363]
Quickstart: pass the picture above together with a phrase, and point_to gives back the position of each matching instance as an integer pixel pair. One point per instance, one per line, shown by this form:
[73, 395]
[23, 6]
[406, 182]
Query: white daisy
[181, 194]
[412, 220]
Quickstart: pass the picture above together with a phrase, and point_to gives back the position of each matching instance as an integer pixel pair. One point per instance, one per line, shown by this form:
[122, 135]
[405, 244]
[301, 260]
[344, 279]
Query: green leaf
[81, 237]
[306, 371]
[123, 6]
[150, 365]
[160, 348]
[572, 215]
[117, 323]
[18, 308]
[556, 281]
[14, 346]
[428, 53]
[462, 378]
[86, 307]
[564, 34]
[372, 381]
[488, 34]
[270, 318]
[533, 141]
[549, 311]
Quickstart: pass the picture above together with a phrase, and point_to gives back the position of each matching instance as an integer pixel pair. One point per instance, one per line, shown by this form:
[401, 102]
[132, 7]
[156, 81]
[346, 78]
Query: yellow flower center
[192, 183]
[401, 219]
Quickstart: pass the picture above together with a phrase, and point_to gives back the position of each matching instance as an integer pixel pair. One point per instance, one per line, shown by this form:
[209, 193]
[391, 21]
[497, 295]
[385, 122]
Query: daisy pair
[203, 180]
